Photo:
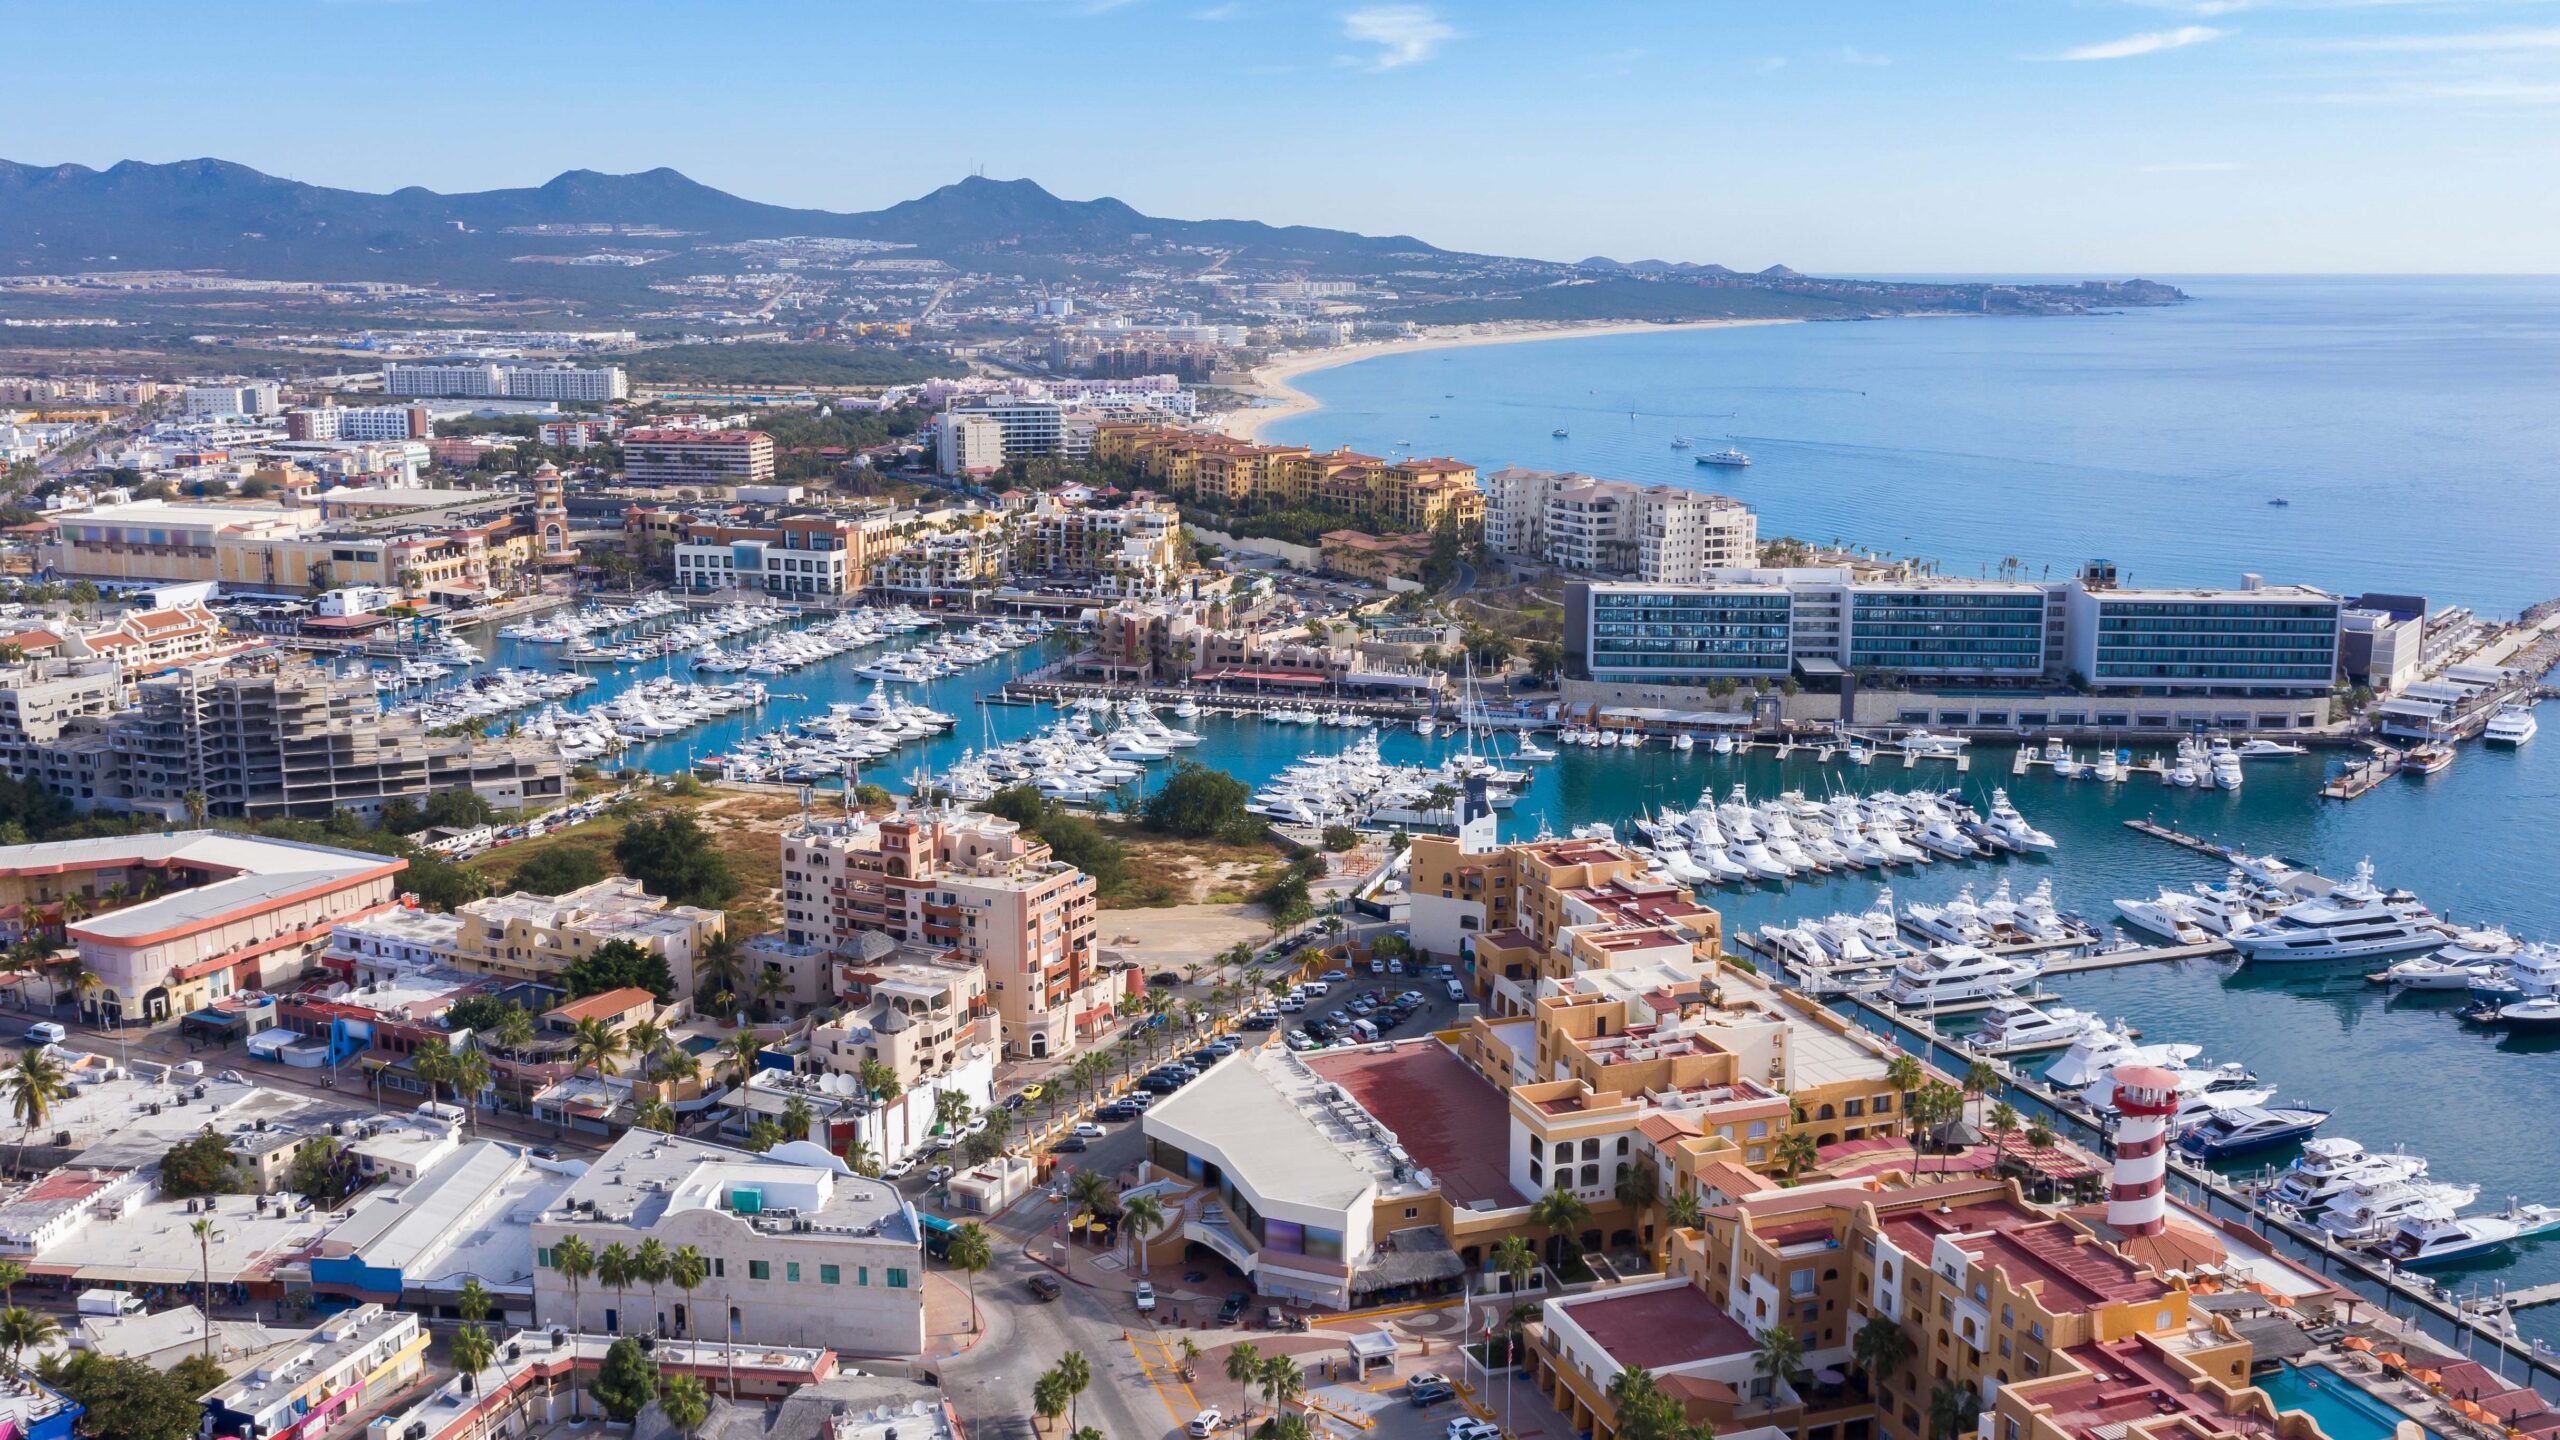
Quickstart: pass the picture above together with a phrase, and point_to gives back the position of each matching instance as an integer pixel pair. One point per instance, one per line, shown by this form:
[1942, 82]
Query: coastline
[1270, 381]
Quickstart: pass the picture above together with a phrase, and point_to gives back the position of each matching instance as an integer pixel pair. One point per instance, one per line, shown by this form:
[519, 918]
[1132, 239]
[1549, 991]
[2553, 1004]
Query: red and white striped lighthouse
[2138, 1192]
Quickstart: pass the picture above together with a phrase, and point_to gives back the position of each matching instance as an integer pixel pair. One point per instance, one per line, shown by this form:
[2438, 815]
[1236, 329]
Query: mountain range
[217, 214]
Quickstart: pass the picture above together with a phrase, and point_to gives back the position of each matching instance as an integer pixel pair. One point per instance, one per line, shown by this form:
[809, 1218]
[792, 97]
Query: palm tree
[1517, 1259]
[2002, 1122]
[1881, 1348]
[473, 1302]
[797, 1118]
[720, 967]
[951, 1109]
[1780, 1356]
[656, 1115]
[879, 1080]
[613, 1270]
[1935, 1105]
[575, 1259]
[35, 1083]
[473, 1351]
[2039, 1134]
[205, 1235]
[744, 1048]
[1282, 1382]
[771, 986]
[1638, 1186]
[649, 1266]
[1049, 1397]
[1953, 1409]
[685, 1403]
[1140, 1216]
[1796, 1150]
[12, 1275]
[1905, 1074]
[22, 1330]
[1244, 1366]
[642, 1042]
[686, 1270]
[1077, 1372]
[971, 1253]
[595, 1045]
[1090, 1191]
[1561, 1213]
[470, 1078]
[859, 1155]
[1980, 1079]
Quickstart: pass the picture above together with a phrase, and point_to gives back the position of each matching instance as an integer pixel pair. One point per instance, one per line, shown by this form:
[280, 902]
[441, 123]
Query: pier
[2139, 955]
[2363, 776]
[1068, 691]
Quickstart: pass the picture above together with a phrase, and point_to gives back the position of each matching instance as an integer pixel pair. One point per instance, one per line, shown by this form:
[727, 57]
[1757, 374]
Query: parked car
[1089, 1130]
[1233, 1310]
[1046, 1287]
[1295, 1004]
[1033, 1091]
[1331, 975]
[1164, 979]
[1410, 997]
[937, 1174]
[1468, 1427]
[1426, 1395]
[1260, 1022]
[1072, 1144]
[46, 1032]
[1203, 1424]
[1146, 1294]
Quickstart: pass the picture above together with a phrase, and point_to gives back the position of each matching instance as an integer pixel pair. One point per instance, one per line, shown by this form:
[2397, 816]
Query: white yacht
[2265, 749]
[2011, 828]
[2433, 1233]
[2512, 725]
[2475, 959]
[2355, 921]
[1958, 922]
[2364, 1214]
[2013, 1027]
[1957, 974]
[2096, 1054]
[2331, 1166]
[2170, 914]
[2530, 971]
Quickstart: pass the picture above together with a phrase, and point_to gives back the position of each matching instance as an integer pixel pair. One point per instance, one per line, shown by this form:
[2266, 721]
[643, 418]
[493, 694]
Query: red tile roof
[1445, 1115]
[1656, 1329]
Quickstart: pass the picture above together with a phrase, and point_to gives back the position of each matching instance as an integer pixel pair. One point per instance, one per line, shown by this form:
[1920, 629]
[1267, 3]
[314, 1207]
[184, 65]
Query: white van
[1457, 992]
[1364, 1032]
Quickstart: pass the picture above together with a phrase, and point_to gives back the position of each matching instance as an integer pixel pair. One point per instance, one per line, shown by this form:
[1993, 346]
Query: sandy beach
[1271, 381]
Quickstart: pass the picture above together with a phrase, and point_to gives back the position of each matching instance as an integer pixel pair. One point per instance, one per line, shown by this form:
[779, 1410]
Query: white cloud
[1851, 55]
[1772, 65]
[1228, 11]
[2188, 167]
[2150, 42]
[2545, 38]
[1403, 34]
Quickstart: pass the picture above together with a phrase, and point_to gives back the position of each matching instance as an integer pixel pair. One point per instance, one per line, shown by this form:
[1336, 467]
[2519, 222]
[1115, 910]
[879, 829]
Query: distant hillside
[215, 214]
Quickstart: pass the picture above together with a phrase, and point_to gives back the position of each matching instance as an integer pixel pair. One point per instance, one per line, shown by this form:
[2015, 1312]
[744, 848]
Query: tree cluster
[1198, 802]
[201, 1164]
[671, 855]
[618, 965]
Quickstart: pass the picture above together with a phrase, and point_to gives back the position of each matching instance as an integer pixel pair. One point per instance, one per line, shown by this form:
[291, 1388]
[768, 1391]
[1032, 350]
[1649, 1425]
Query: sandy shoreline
[1271, 381]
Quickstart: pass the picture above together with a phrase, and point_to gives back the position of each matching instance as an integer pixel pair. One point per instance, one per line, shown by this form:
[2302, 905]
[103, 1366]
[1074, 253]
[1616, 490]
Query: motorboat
[1957, 974]
[2014, 1026]
[1728, 459]
[2011, 828]
[2169, 914]
[2530, 971]
[2331, 1166]
[2354, 921]
[2512, 725]
[2265, 749]
[2366, 1213]
[1958, 922]
[2474, 957]
[2238, 1130]
[1923, 742]
[2435, 1233]
[2096, 1054]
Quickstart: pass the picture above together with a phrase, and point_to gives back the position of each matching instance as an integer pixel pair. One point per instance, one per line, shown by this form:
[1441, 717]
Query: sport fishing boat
[2354, 921]
[2012, 1027]
[2367, 1214]
[2434, 1233]
[2332, 1166]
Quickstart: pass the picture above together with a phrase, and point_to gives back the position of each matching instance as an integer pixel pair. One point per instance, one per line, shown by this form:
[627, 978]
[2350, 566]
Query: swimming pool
[2342, 1411]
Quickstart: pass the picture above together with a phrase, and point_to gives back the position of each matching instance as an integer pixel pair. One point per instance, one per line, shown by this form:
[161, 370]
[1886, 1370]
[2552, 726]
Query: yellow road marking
[1164, 1390]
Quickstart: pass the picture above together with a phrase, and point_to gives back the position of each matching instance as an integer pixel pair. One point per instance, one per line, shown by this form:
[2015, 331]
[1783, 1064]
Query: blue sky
[2075, 136]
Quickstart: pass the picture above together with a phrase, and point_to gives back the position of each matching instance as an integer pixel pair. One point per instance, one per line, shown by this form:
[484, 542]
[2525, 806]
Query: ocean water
[2409, 423]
